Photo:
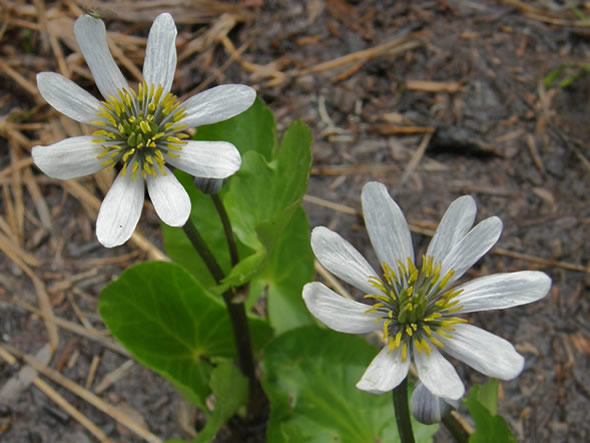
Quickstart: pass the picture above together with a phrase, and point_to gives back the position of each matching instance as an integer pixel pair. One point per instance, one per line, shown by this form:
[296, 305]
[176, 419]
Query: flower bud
[209, 185]
[427, 408]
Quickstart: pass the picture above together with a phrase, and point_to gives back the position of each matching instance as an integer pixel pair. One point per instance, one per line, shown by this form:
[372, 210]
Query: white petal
[471, 248]
[120, 211]
[217, 104]
[501, 291]
[92, 39]
[160, 54]
[437, 374]
[207, 159]
[69, 158]
[386, 225]
[484, 352]
[385, 372]
[67, 97]
[171, 202]
[342, 259]
[337, 312]
[456, 222]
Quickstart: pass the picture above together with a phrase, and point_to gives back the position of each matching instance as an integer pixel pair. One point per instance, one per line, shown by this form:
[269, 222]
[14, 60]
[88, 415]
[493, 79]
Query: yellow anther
[377, 297]
[426, 347]
[442, 332]
[404, 351]
[390, 345]
[100, 133]
[446, 279]
[134, 170]
[386, 324]
[436, 342]
[128, 154]
[418, 346]
[454, 310]
[398, 338]
[124, 169]
[145, 128]
[103, 153]
[98, 122]
[433, 316]
[158, 94]
[162, 168]
[409, 331]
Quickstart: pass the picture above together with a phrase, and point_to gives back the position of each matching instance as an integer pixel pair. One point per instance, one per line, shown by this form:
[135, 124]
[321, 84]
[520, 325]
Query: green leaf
[290, 266]
[552, 77]
[171, 324]
[263, 196]
[231, 391]
[310, 376]
[570, 79]
[253, 130]
[487, 395]
[260, 200]
[262, 191]
[489, 428]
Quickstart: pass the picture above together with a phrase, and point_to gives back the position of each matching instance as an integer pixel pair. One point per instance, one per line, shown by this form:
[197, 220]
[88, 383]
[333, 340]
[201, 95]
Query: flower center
[140, 129]
[415, 305]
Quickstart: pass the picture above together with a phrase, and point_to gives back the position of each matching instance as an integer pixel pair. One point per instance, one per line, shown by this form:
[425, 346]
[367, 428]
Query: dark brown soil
[488, 126]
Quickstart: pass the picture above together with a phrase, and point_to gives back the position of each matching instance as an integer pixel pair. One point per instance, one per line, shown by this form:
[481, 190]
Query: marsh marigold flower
[139, 130]
[417, 309]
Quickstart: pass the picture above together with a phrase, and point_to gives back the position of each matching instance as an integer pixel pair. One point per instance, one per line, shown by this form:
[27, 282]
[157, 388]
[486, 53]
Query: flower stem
[229, 234]
[454, 426]
[237, 313]
[203, 250]
[402, 412]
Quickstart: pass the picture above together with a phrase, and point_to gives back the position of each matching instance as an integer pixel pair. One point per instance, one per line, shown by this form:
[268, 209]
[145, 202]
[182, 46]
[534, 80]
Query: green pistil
[415, 305]
[140, 129]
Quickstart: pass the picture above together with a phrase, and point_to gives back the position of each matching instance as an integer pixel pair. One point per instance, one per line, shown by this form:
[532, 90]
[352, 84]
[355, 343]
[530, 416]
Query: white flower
[141, 130]
[415, 309]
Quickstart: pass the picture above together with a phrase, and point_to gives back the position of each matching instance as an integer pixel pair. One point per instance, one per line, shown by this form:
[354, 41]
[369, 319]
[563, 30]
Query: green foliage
[253, 130]
[289, 267]
[263, 196]
[263, 201]
[566, 74]
[482, 403]
[310, 376]
[171, 324]
[231, 391]
[487, 395]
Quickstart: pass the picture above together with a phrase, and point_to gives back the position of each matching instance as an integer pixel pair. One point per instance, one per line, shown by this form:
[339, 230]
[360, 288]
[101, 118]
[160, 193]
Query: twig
[86, 395]
[415, 160]
[77, 329]
[114, 376]
[71, 410]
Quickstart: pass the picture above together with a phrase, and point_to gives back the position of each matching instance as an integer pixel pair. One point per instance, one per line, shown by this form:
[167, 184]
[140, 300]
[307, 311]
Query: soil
[459, 106]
